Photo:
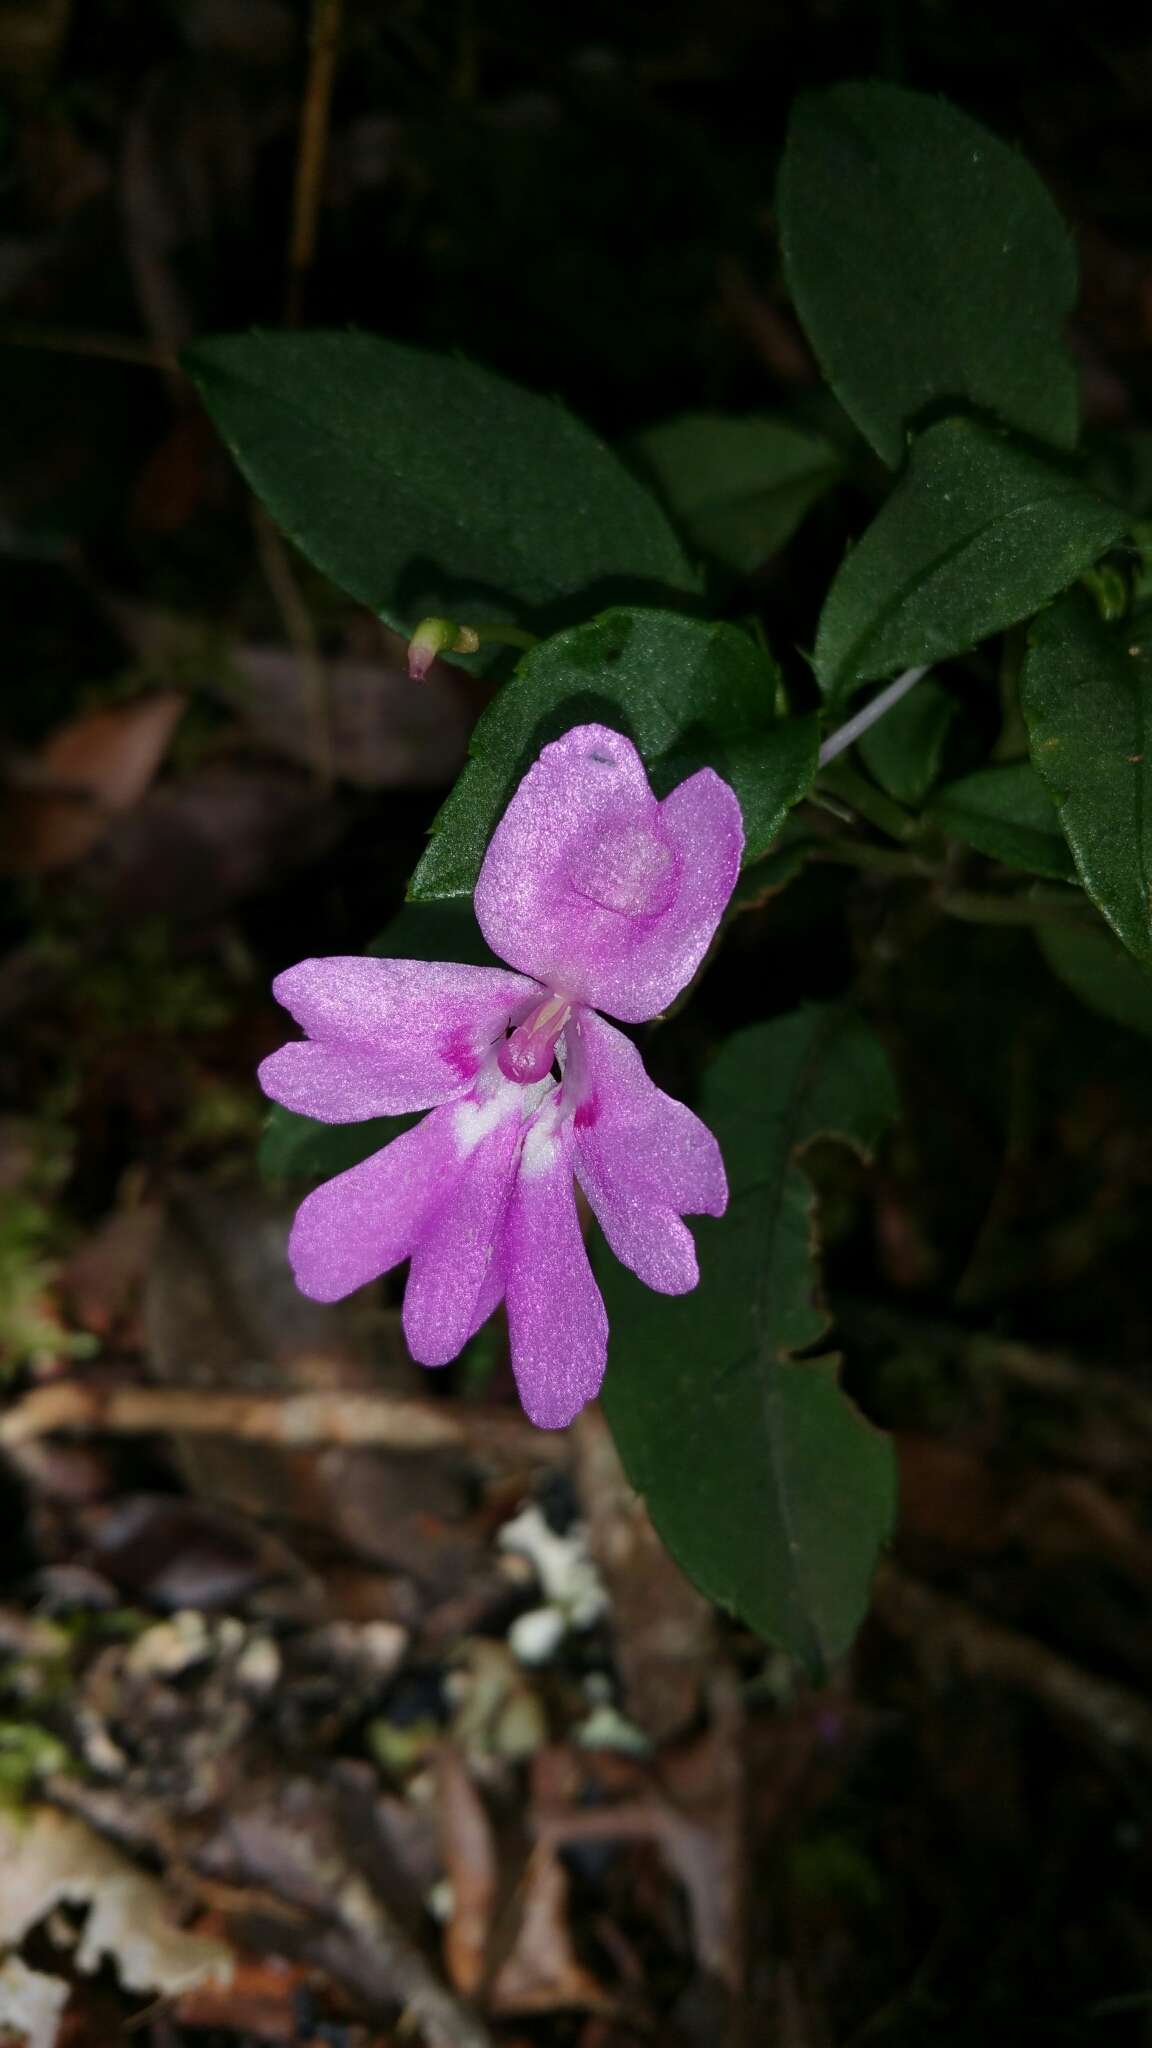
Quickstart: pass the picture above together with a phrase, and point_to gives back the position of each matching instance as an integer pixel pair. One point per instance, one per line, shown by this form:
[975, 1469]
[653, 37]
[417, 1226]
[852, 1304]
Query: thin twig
[870, 859]
[311, 154]
[869, 802]
[1038, 906]
[312, 150]
[112, 348]
[292, 1420]
[847, 734]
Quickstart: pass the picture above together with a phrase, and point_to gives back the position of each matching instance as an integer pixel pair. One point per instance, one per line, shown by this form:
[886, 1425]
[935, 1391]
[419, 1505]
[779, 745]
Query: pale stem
[846, 735]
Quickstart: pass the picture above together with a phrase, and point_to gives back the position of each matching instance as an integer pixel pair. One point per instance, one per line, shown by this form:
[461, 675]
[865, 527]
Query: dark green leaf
[298, 1147]
[904, 749]
[928, 265]
[762, 1477]
[1106, 978]
[977, 534]
[1086, 691]
[689, 694]
[435, 931]
[1007, 813]
[423, 484]
[738, 488]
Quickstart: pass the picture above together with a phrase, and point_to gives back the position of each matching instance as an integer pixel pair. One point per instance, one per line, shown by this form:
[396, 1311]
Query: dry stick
[292, 1420]
[947, 1635]
[444, 2019]
[312, 150]
[311, 154]
[112, 348]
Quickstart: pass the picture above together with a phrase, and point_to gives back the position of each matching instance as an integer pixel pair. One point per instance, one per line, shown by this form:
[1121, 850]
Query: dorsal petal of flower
[597, 890]
[387, 1036]
[557, 1324]
[642, 1158]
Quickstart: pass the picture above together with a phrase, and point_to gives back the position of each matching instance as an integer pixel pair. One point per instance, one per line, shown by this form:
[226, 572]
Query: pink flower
[600, 898]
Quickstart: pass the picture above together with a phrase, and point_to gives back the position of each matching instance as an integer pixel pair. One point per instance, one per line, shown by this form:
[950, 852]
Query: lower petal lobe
[365, 1221]
[457, 1273]
[642, 1158]
[556, 1319]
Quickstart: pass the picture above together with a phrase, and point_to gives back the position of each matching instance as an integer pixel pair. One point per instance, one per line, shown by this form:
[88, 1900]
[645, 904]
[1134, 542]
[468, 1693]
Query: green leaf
[688, 693]
[1007, 813]
[978, 533]
[903, 751]
[761, 1476]
[928, 264]
[298, 1147]
[737, 487]
[424, 484]
[1106, 978]
[1086, 692]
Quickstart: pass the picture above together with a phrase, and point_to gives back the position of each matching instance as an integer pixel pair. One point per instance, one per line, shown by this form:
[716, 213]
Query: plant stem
[1037, 907]
[500, 634]
[870, 803]
[845, 735]
[877, 860]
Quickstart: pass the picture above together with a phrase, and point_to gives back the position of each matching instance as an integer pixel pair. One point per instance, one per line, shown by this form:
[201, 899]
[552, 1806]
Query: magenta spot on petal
[587, 1113]
[459, 1053]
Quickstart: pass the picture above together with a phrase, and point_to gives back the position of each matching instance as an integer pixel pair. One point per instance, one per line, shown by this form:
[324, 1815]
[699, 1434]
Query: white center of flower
[474, 1121]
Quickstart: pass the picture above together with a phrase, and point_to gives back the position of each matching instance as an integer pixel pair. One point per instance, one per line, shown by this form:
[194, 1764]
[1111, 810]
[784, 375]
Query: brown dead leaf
[50, 1857]
[87, 773]
[542, 1971]
[260, 2000]
[103, 1276]
[198, 843]
[382, 731]
[221, 1310]
[468, 1848]
[315, 1847]
[692, 1809]
[665, 1630]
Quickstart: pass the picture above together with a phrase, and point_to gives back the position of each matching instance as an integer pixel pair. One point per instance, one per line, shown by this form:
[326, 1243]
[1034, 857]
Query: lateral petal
[642, 1158]
[387, 1036]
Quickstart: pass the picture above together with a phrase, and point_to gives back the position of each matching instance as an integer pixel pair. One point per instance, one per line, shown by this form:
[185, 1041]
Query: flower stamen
[527, 1054]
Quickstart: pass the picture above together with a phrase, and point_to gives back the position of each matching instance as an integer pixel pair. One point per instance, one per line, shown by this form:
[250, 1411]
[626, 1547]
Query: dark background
[951, 1842]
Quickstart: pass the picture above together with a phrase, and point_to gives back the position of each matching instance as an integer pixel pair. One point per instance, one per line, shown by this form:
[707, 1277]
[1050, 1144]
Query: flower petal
[365, 1221]
[642, 1158]
[556, 1319]
[387, 1036]
[457, 1275]
[599, 891]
